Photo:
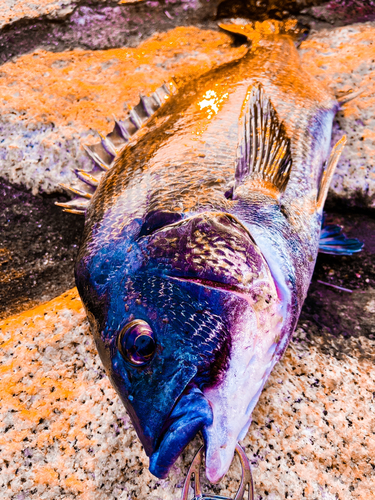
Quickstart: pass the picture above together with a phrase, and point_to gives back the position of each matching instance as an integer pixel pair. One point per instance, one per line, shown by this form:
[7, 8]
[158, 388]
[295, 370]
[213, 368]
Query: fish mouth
[191, 413]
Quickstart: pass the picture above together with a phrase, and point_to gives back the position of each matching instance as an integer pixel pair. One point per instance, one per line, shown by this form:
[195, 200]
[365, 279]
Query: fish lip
[191, 413]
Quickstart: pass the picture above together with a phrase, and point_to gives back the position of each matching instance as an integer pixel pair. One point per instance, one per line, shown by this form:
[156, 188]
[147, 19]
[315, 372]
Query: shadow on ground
[38, 244]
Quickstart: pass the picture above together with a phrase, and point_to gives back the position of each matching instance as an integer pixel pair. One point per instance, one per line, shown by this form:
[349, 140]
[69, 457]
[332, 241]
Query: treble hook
[246, 479]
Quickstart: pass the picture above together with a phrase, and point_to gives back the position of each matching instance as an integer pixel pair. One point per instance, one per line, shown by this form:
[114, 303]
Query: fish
[203, 215]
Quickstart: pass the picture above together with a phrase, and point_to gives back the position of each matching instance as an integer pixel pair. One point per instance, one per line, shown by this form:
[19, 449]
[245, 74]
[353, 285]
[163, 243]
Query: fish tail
[334, 242]
[257, 30]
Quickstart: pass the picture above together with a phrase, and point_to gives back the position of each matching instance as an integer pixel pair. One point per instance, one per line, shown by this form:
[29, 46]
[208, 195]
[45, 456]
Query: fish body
[196, 259]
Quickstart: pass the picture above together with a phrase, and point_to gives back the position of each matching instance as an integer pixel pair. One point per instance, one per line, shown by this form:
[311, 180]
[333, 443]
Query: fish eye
[136, 343]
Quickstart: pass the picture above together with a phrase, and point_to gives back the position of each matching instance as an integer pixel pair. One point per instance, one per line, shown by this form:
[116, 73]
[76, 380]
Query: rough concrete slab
[343, 11]
[344, 58]
[64, 433]
[38, 245]
[58, 25]
[14, 10]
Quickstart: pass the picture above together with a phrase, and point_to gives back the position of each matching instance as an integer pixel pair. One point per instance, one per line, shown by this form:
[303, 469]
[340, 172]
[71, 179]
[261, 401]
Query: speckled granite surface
[344, 59]
[64, 434]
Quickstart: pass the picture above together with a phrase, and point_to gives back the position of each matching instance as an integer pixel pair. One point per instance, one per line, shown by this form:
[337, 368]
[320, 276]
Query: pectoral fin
[328, 173]
[263, 151]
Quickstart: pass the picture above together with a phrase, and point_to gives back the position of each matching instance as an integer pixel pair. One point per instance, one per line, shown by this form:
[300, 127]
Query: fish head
[187, 320]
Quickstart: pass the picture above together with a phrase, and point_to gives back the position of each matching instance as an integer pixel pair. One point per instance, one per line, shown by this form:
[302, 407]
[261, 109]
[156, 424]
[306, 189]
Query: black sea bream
[200, 241]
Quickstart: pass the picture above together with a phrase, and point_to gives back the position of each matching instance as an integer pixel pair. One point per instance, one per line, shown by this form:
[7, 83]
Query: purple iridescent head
[187, 320]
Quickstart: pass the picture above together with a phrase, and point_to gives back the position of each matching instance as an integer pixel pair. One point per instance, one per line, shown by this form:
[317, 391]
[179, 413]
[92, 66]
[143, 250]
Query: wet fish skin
[218, 269]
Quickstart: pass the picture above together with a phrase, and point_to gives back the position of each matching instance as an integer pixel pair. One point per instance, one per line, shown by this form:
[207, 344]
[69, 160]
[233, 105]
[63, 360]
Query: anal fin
[263, 151]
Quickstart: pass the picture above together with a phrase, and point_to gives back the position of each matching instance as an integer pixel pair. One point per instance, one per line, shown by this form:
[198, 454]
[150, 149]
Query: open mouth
[190, 414]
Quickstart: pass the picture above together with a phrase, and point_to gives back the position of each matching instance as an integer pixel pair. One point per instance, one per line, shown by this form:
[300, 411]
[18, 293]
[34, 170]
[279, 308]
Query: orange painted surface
[83, 89]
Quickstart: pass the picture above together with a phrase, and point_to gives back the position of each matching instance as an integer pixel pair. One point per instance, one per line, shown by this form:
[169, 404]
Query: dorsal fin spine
[108, 145]
[134, 117]
[147, 105]
[79, 205]
[86, 177]
[77, 192]
[267, 144]
[95, 158]
[104, 154]
[122, 130]
[156, 98]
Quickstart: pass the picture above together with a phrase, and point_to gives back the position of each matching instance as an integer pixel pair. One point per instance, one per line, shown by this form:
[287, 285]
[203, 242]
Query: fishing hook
[246, 479]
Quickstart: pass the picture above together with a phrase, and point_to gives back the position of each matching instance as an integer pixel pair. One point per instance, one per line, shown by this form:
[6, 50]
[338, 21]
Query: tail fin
[334, 242]
[255, 31]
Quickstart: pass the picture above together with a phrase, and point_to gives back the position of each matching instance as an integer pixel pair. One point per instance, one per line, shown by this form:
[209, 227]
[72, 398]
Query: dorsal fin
[263, 151]
[104, 153]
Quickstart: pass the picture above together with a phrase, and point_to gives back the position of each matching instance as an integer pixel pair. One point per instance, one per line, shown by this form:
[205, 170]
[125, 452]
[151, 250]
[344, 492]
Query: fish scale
[203, 218]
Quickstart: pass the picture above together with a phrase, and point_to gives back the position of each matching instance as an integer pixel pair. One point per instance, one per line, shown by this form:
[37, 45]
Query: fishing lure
[203, 219]
[193, 479]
